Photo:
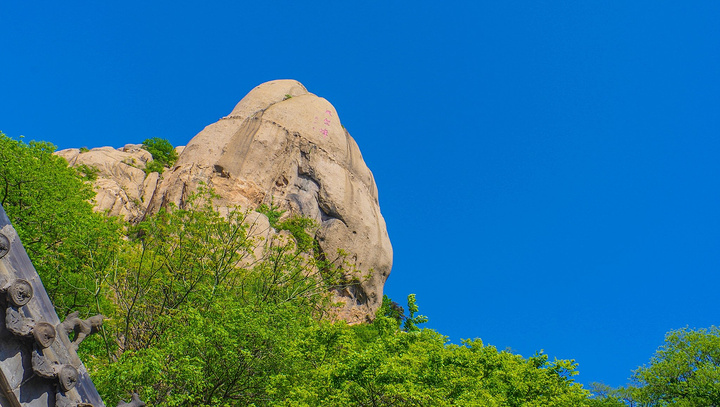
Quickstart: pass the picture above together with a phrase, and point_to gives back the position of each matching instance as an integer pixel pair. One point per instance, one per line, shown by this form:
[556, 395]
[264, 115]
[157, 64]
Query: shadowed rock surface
[282, 144]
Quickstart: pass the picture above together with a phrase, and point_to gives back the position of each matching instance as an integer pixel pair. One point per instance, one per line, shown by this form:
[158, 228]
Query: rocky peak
[282, 144]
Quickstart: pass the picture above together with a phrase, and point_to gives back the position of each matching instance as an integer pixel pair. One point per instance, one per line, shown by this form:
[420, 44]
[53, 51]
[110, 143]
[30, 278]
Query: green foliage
[302, 229]
[223, 355]
[272, 212]
[396, 368]
[412, 321]
[84, 150]
[391, 309]
[287, 96]
[190, 293]
[175, 258]
[47, 202]
[88, 172]
[162, 151]
[684, 372]
[606, 396]
[154, 166]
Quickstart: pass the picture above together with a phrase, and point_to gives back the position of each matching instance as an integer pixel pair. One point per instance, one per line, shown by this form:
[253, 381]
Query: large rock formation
[280, 144]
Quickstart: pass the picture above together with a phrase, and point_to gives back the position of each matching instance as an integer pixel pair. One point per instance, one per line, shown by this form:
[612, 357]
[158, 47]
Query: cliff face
[280, 144]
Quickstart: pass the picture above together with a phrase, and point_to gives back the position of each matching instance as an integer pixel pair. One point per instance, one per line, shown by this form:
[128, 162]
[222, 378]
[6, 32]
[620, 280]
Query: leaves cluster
[208, 315]
[301, 228]
[272, 211]
[163, 154]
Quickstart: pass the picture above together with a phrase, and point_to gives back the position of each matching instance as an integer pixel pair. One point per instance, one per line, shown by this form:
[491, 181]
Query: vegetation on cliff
[163, 154]
[199, 318]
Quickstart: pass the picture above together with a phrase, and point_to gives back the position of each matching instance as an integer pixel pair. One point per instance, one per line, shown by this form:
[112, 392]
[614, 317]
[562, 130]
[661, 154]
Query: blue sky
[548, 171]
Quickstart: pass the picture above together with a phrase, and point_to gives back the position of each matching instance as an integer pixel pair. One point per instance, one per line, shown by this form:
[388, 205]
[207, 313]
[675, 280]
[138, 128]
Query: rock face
[280, 144]
[121, 185]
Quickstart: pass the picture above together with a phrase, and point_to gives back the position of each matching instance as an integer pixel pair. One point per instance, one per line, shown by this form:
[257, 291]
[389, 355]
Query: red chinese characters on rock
[324, 127]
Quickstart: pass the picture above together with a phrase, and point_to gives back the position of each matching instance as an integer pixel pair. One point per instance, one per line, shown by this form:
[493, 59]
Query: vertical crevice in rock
[241, 141]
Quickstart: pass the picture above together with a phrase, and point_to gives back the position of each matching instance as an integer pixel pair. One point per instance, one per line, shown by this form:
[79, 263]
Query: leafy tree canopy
[48, 204]
[685, 371]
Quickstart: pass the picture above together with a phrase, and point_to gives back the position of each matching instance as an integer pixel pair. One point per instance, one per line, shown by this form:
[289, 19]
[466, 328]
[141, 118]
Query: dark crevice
[220, 170]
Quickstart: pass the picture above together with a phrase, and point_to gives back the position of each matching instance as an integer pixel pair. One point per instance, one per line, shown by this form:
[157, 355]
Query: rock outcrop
[121, 185]
[281, 144]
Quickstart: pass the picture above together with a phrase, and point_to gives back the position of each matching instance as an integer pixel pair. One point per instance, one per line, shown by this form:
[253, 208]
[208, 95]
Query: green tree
[301, 228]
[391, 309]
[379, 364]
[397, 368]
[603, 395]
[154, 166]
[685, 371]
[199, 319]
[48, 204]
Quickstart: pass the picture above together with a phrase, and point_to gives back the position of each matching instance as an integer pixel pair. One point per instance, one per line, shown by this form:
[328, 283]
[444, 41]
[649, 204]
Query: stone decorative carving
[4, 245]
[42, 366]
[68, 377]
[62, 400]
[81, 327]
[44, 334]
[20, 292]
[17, 323]
[134, 402]
[37, 368]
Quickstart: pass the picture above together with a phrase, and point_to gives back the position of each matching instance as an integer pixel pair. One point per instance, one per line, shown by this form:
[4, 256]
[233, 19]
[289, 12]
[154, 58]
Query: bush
[153, 166]
[272, 212]
[162, 151]
[87, 172]
[301, 229]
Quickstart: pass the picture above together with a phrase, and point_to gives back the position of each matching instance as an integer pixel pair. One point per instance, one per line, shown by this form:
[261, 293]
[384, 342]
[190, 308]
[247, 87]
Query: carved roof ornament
[20, 292]
[4, 245]
[44, 334]
[68, 377]
[134, 402]
[80, 327]
[39, 366]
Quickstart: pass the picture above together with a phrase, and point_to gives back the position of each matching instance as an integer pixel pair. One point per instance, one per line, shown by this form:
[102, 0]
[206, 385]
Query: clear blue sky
[548, 171]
